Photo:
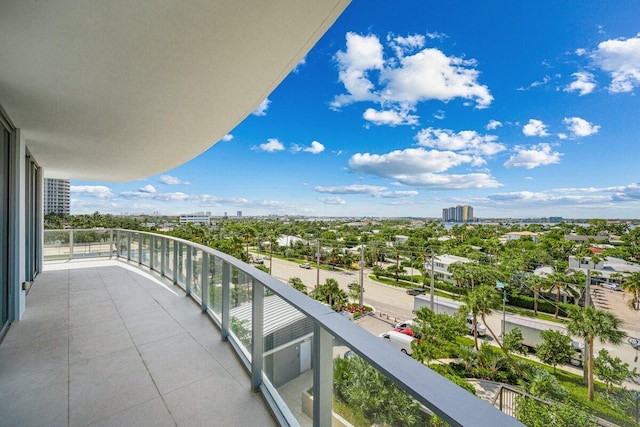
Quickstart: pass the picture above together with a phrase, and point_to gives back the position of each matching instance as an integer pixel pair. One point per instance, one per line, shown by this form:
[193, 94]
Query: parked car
[353, 285]
[482, 330]
[398, 340]
[611, 285]
[406, 331]
[405, 324]
[416, 291]
[305, 265]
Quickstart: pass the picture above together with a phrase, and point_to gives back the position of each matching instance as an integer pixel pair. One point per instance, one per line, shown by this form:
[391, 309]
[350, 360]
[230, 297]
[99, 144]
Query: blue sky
[519, 109]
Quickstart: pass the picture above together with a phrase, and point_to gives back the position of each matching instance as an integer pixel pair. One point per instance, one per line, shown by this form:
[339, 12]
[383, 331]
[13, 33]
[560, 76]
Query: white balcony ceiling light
[119, 90]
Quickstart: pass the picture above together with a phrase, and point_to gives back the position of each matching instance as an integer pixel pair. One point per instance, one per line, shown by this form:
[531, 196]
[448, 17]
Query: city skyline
[400, 110]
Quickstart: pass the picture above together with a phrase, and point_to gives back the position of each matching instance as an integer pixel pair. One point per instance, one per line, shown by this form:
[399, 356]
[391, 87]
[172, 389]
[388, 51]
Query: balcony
[146, 329]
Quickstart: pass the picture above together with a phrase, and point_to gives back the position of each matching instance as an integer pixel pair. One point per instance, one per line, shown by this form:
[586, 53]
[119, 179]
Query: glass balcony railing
[303, 357]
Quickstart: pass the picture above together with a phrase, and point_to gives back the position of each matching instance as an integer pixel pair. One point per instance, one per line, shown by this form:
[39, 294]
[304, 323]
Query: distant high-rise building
[56, 196]
[555, 219]
[239, 214]
[460, 213]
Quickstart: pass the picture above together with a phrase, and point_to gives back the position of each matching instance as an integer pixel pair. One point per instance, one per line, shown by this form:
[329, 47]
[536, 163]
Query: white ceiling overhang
[119, 90]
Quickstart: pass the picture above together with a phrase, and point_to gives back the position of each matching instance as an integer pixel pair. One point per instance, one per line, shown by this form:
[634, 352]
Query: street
[397, 305]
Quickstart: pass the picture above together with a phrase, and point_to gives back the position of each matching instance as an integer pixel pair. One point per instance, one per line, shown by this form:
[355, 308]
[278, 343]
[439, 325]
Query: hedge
[544, 305]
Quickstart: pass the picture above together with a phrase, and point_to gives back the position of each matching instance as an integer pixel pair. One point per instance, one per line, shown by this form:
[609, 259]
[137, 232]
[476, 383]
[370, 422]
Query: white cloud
[315, 148]
[535, 128]
[581, 51]
[332, 200]
[148, 189]
[300, 64]
[493, 124]
[621, 59]
[405, 80]
[371, 190]
[271, 146]
[261, 110]
[421, 168]
[165, 197]
[580, 127]
[351, 189]
[399, 194]
[97, 191]
[583, 83]
[544, 81]
[466, 141]
[171, 180]
[439, 115]
[449, 181]
[408, 161]
[227, 137]
[390, 117]
[597, 198]
[533, 157]
[562, 135]
[437, 36]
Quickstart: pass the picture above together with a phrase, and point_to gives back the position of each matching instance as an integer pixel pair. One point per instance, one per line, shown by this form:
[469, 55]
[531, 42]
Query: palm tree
[560, 280]
[480, 301]
[536, 282]
[589, 324]
[296, 283]
[632, 286]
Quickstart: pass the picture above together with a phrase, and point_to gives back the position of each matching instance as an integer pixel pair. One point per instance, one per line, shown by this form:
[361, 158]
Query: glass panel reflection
[56, 244]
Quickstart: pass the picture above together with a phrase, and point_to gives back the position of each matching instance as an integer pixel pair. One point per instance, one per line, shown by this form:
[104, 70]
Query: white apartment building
[196, 218]
[441, 266]
[57, 196]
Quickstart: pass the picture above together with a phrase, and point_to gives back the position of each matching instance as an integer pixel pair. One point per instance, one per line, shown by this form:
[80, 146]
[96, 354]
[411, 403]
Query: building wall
[23, 259]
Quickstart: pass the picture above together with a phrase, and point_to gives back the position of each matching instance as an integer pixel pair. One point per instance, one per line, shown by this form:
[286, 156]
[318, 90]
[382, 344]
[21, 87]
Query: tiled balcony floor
[104, 343]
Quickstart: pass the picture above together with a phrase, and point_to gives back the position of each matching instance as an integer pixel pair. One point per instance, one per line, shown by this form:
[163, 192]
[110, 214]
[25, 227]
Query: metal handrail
[450, 402]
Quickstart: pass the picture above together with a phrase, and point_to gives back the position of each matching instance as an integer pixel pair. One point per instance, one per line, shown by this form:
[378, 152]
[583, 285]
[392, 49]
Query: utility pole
[585, 353]
[362, 275]
[432, 290]
[318, 265]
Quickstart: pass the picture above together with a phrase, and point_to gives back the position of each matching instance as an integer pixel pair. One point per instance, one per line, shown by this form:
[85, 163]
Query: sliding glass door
[4, 225]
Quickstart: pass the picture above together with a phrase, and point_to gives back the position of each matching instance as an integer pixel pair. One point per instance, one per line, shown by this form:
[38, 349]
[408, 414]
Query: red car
[405, 330]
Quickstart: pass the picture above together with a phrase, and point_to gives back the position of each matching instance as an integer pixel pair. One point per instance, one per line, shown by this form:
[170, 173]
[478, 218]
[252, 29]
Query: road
[395, 303]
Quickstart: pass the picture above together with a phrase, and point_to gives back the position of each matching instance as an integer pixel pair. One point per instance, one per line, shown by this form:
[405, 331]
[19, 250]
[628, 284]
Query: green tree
[480, 301]
[512, 341]
[296, 283]
[555, 348]
[535, 413]
[631, 285]
[611, 370]
[590, 323]
[434, 331]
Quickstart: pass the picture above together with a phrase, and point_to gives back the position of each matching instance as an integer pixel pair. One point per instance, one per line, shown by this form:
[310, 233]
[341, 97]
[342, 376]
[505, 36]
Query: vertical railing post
[111, 242]
[189, 275]
[152, 251]
[204, 282]
[176, 271]
[226, 299]
[71, 244]
[257, 333]
[128, 245]
[163, 257]
[322, 376]
[140, 240]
